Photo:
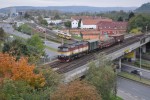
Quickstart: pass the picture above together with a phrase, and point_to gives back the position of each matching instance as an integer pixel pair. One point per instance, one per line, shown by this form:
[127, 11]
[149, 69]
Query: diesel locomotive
[71, 51]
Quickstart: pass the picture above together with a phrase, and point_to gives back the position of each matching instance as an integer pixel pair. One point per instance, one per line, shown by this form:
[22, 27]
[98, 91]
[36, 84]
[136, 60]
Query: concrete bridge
[80, 71]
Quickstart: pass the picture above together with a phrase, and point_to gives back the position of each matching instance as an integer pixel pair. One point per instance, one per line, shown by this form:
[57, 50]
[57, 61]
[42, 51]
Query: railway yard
[66, 67]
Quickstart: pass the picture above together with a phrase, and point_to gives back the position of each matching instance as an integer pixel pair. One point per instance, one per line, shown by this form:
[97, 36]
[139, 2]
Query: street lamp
[140, 72]
[140, 55]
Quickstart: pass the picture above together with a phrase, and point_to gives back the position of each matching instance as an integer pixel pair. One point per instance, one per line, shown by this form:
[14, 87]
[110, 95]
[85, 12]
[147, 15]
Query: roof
[90, 21]
[95, 21]
[116, 35]
[71, 45]
[93, 40]
[112, 25]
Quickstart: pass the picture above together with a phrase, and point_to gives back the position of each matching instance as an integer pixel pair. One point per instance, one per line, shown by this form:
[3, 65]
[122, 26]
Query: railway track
[66, 67]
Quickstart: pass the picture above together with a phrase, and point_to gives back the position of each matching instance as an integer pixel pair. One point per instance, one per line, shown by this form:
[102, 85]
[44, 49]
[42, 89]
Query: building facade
[112, 27]
[74, 24]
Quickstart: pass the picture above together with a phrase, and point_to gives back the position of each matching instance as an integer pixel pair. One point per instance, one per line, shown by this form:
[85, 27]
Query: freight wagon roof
[68, 45]
[116, 35]
[94, 40]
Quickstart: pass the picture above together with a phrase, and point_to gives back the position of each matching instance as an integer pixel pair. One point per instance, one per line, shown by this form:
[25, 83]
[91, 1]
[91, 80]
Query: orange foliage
[77, 90]
[19, 70]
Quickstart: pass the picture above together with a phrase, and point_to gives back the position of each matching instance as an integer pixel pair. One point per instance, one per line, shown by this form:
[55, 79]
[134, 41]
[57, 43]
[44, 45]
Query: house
[74, 24]
[87, 22]
[112, 27]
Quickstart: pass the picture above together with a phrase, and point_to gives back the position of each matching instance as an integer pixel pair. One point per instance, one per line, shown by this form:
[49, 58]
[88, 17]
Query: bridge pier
[143, 49]
[133, 58]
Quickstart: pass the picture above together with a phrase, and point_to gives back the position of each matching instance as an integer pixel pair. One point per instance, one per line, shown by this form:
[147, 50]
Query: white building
[89, 24]
[49, 21]
[74, 24]
[54, 22]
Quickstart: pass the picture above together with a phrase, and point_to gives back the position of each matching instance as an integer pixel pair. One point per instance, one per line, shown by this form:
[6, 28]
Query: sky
[95, 3]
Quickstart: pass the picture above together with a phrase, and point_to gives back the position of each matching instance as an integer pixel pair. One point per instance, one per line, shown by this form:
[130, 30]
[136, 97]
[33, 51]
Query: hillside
[74, 9]
[144, 8]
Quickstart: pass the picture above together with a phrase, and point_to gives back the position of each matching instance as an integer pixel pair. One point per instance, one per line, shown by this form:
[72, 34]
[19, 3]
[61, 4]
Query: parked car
[136, 72]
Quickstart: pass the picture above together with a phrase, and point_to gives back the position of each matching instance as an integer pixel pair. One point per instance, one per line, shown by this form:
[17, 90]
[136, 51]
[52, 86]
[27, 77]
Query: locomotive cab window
[63, 49]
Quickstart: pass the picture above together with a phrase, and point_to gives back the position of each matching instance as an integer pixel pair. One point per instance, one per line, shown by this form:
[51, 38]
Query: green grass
[116, 98]
[145, 64]
[76, 37]
[134, 77]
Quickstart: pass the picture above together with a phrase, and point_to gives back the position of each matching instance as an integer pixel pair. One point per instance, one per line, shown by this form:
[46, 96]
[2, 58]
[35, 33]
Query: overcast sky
[97, 3]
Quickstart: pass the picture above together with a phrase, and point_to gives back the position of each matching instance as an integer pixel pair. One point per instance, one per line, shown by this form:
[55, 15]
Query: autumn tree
[77, 90]
[19, 70]
[102, 76]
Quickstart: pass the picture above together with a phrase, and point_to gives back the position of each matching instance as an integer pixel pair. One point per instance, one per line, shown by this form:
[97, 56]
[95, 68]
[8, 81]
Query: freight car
[68, 52]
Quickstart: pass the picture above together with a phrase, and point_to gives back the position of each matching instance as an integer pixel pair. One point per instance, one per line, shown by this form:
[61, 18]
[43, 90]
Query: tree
[57, 16]
[19, 70]
[25, 29]
[16, 48]
[52, 78]
[77, 90]
[120, 19]
[33, 48]
[68, 24]
[102, 76]
[36, 48]
[2, 34]
[14, 90]
[131, 15]
[44, 22]
[26, 15]
[79, 23]
[139, 21]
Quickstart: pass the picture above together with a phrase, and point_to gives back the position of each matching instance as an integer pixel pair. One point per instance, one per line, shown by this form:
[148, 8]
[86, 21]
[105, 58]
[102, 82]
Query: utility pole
[45, 35]
[62, 41]
[140, 73]
[146, 28]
